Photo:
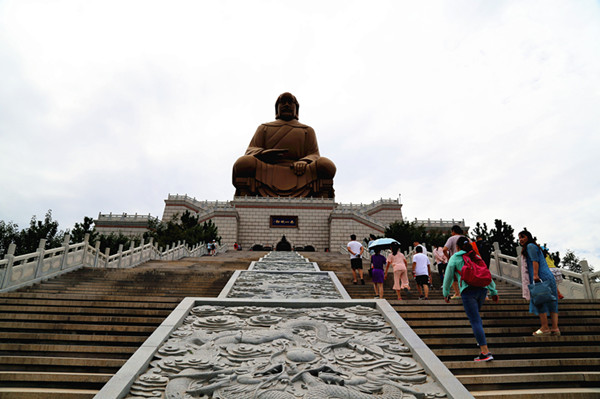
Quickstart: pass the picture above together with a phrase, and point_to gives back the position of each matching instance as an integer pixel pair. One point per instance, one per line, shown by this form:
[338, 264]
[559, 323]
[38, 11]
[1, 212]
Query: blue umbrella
[382, 243]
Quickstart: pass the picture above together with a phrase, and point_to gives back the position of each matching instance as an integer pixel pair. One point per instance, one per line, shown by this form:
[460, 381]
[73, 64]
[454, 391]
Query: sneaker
[421, 298]
[484, 357]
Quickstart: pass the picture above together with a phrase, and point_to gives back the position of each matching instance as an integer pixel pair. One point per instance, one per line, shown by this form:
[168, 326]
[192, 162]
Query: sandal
[555, 333]
[540, 333]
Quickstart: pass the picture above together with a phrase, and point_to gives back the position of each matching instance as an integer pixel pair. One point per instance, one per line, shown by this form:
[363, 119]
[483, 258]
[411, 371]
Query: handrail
[24, 270]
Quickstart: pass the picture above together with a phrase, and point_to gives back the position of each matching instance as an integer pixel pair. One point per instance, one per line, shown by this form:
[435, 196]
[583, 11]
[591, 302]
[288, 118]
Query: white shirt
[355, 247]
[423, 248]
[421, 264]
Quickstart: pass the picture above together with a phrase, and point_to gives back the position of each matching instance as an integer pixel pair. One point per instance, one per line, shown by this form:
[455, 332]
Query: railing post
[66, 251]
[41, 250]
[497, 256]
[585, 277]
[131, 246]
[107, 254]
[86, 242]
[520, 262]
[10, 256]
[142, 250]
[120, 252]
[97, 252]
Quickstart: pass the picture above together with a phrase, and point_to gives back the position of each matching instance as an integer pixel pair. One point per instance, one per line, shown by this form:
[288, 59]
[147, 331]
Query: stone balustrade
[25, 270]
[584, 285]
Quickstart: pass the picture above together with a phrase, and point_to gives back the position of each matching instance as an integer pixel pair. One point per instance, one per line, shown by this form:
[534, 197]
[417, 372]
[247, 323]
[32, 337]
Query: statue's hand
[271, 155]
[299, 167]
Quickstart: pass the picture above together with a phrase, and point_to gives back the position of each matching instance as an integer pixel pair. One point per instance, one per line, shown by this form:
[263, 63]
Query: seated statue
[283, 159]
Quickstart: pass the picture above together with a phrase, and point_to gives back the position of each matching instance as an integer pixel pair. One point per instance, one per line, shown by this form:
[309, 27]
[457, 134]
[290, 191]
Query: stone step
[82, 350]
[46, 393]
[141, 320]
[90, 304]
[100, 328]
[24, 337]
[558, 378]
[78, 310]
[546, 365]
[56, 363]
[510, 330]
[514, 341]
[540, 393]
[503, 352]
[45, 377]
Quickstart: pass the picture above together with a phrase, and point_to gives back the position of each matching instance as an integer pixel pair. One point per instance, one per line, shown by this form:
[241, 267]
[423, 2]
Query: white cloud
[474, 110]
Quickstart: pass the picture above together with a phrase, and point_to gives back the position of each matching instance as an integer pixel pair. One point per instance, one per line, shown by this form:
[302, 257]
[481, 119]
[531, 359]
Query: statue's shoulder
[279, 123]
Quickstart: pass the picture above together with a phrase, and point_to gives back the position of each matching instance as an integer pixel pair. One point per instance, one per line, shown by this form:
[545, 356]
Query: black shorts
[422, 280]
[356, 263]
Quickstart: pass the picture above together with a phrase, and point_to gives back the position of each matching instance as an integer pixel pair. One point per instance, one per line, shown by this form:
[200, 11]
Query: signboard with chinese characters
[284, 221]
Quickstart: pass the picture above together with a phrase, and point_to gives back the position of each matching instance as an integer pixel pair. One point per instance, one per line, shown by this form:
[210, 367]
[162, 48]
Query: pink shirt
[398, 261]
[439, 256]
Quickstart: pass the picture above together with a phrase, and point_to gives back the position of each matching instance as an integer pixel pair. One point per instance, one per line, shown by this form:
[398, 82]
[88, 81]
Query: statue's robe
[277, 177]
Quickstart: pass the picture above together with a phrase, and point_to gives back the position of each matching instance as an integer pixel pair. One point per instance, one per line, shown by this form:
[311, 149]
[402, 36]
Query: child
[422, 272]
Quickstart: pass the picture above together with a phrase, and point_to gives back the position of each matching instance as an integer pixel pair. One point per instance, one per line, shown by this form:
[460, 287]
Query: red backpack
[475, 272]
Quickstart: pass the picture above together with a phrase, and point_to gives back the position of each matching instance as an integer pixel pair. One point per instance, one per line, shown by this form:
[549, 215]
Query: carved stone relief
[242, 352]
[269, 285]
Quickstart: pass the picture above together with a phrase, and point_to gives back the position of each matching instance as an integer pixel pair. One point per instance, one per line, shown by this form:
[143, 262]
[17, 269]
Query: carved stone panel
[284, 285]
[241, 352]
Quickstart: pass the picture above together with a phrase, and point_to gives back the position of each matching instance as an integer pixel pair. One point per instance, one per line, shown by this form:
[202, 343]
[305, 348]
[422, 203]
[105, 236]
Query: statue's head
[286, 107]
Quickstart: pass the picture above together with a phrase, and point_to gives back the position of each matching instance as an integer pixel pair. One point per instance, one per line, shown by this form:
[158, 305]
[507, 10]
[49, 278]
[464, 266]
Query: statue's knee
[325, 168]
[245, 166]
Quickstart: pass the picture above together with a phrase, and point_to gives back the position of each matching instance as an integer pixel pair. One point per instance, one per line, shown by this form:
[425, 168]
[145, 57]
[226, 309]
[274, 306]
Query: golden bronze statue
[283, 159]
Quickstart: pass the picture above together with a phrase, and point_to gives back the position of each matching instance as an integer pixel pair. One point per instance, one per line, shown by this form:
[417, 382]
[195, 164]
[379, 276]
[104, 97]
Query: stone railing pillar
[10, 256]
[120, 252]
[107, 254]
[520, 262]
[41, 251]
[497, 254]
[97, 253]
[131, 246]
[66, 253]
[585, 277]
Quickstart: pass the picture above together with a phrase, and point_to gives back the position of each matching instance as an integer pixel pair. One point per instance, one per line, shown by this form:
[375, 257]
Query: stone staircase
[525, 367]
[68, 336]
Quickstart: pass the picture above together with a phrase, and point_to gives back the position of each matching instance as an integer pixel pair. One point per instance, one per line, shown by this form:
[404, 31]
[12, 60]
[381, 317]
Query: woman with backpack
[537, 270]
[472, 296]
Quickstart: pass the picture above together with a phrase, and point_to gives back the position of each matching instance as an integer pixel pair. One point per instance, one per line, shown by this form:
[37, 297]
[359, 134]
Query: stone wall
[342, 225]
[128, 225]
[255, 221]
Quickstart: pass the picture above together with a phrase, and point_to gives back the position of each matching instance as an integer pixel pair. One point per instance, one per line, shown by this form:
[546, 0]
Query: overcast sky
[470, 110]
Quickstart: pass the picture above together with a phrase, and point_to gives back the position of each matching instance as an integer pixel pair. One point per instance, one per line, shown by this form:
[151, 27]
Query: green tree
[9, 233]
[182, 228]
[113, 241]
[408, 232]
[571, 262]
[480, 231]
[81, 229]
[504, 235]
[28, 239]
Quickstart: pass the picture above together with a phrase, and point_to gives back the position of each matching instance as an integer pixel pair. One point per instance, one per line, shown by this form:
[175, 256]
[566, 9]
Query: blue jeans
[473, 298]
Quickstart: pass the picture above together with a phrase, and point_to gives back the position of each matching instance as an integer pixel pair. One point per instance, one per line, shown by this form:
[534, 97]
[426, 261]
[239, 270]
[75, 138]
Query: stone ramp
[68, 336]
[525, 366]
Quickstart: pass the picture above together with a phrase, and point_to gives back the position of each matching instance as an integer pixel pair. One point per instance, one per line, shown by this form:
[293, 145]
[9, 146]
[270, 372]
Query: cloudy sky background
[470, 110]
